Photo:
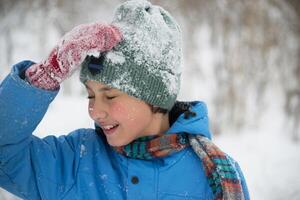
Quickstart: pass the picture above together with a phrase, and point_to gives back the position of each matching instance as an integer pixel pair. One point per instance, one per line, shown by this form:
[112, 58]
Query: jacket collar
[197, 124]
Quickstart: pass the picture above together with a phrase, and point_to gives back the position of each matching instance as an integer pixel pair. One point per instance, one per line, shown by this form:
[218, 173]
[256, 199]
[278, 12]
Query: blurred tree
[292, 104]
[257, 44]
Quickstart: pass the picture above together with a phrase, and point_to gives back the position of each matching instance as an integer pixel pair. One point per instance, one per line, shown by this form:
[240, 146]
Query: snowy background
[241, 57]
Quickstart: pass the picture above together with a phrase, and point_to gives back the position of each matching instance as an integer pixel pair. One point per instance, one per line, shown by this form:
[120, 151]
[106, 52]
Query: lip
[106, 124]
[110, 131]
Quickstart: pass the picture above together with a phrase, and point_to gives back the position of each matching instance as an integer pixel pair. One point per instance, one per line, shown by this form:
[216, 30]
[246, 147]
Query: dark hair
[156, 109]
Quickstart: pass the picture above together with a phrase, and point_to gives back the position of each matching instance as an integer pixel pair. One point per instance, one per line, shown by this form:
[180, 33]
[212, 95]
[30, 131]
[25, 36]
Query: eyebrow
[100, 89]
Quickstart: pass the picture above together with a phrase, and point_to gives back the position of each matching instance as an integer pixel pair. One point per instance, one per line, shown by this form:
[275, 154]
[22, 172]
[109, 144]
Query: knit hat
[146, 64]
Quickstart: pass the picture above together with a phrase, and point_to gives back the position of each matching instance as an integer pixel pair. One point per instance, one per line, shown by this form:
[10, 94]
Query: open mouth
[109, 129]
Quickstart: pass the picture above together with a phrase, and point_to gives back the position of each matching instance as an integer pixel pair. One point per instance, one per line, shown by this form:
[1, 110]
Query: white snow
[115, 57]
[82, 150]
[158, 56]
[103, 176]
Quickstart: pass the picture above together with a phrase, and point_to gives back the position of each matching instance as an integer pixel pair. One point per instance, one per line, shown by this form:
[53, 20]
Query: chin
[117, 143]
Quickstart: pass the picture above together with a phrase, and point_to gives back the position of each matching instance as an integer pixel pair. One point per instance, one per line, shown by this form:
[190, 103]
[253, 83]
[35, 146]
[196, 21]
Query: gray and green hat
[146, 64]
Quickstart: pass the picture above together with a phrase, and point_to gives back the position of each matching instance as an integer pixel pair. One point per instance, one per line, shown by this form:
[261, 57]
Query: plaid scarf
[150, 147]
[220, 170]
[221, 173]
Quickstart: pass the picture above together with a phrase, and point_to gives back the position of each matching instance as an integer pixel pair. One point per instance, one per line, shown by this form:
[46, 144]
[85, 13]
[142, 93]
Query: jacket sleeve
[30, 167]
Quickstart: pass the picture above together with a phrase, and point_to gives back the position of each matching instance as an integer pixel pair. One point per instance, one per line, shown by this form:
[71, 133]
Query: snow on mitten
[67, 56]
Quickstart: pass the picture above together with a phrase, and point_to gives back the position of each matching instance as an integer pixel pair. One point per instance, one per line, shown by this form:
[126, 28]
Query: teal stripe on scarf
[128, 151]
[135, 151]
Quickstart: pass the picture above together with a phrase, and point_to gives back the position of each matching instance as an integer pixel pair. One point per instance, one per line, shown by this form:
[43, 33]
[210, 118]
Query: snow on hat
[146, 64]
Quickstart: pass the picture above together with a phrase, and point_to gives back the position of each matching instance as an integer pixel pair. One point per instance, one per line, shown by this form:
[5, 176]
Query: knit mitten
[67, 56]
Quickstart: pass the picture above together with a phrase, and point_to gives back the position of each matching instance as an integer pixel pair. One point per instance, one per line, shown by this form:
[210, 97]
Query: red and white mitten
[67, 56]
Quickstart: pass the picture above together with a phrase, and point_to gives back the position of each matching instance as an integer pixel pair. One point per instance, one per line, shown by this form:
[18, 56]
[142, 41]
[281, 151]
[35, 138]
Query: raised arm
[30, 167]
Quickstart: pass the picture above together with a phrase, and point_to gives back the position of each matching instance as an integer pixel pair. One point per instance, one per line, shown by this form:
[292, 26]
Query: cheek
[130, 116]
[91, 108]
[120, 111]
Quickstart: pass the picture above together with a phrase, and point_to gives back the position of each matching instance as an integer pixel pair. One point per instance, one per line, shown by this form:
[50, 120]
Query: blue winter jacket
[81, 165]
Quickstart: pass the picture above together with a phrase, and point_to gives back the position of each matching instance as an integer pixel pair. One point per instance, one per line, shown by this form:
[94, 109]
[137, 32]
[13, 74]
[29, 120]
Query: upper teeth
[108, 127]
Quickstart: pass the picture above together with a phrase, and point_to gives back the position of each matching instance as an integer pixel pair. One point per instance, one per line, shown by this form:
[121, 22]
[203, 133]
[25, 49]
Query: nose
[97, 111]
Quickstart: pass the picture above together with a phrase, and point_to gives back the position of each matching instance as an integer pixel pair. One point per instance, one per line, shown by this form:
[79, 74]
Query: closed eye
[110, 97]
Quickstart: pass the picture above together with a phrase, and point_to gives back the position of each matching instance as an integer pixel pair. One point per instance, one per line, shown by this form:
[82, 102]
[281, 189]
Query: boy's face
[122, 118]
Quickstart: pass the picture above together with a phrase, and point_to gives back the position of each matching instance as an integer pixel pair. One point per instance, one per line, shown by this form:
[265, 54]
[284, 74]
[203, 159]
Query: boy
[146, 145]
